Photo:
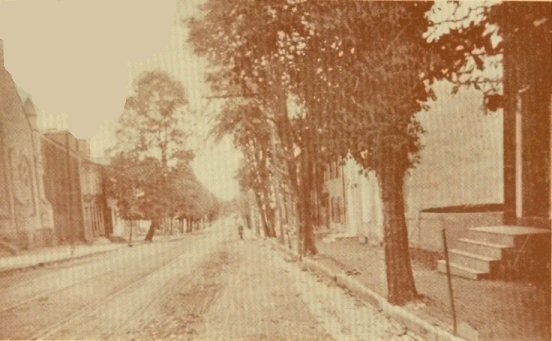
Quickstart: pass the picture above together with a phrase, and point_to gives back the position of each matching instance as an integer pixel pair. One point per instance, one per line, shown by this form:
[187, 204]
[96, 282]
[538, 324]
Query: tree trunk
[268, 215]
[284, 131]
[259, 206]
[268, 223]
[154, 224]
[400, 280]
[300, 189]
[264, 217]
[248, 221]
[305, 208]
[272, 221]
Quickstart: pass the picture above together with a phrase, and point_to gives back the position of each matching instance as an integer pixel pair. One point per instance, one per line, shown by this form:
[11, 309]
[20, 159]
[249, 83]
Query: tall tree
[359, 71]
[152, 128]
[243, 42]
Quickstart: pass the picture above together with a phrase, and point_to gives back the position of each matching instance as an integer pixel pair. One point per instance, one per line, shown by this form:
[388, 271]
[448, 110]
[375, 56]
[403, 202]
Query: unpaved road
[208, 286]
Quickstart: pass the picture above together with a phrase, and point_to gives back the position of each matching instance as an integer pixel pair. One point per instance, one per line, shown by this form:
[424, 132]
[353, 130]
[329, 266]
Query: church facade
[26, 217]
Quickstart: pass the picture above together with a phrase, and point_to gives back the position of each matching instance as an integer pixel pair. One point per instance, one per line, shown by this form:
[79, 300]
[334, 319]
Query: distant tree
[133, 183]
[144, 192]
[249, 178]
[152, 128]
[250, 130]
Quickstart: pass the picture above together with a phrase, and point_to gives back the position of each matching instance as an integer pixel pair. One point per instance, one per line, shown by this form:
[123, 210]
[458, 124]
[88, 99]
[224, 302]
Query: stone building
[26, 217]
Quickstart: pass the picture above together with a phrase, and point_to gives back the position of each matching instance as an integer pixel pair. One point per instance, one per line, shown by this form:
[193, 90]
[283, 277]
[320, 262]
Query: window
[340, 210]
[337, 210]
[333, 171]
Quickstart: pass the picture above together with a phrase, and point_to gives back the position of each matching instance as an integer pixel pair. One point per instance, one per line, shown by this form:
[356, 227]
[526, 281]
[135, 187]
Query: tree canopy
[472, 37]
[151, 163]
[153, 121]
[360, 71]
[362, 76]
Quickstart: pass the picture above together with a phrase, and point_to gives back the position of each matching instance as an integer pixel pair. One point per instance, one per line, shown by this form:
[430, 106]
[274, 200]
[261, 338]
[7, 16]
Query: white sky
[214, 165]
[79, 64]
[36, 21]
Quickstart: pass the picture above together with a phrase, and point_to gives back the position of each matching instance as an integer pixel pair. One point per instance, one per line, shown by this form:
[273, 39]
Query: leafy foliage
[248, 125]
[134, 184]
[471, 38]
[360, 71]
[150, 169]
[152, 124]
[361, 74]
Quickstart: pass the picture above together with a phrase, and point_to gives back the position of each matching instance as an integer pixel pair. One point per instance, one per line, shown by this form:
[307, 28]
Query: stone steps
[483, 248]
[472, 260]
[496, 251]
[460, 271]
[9, 249]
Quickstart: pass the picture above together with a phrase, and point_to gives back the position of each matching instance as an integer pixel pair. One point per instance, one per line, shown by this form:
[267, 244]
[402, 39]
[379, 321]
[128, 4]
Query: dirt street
[208, 286]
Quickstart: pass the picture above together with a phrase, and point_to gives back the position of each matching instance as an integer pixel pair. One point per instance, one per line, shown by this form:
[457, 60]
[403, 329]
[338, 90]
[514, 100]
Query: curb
[9, 247]
[8, 270]
[412, 322]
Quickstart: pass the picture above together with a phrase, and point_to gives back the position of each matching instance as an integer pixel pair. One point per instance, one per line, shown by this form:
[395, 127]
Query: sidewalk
[497, 310]
[42, 256]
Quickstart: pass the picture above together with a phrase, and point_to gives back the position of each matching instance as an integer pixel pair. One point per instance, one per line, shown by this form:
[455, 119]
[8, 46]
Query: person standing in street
[240, 225]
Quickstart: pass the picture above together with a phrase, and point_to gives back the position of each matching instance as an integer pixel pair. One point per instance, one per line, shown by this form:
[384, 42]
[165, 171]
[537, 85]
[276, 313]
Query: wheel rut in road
[235, 294]
[64, 301]
[32, 308]
[179, 314]
[106, 318]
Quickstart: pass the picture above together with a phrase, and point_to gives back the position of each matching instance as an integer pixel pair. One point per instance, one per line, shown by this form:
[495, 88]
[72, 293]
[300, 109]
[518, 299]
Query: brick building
[74, 186]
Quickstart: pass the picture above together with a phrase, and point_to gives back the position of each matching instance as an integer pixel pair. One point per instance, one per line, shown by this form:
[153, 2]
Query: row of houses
[460, 171]
[489, 196]
[51, 191]
[464, 179]
[458, 183]
[74, 186]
